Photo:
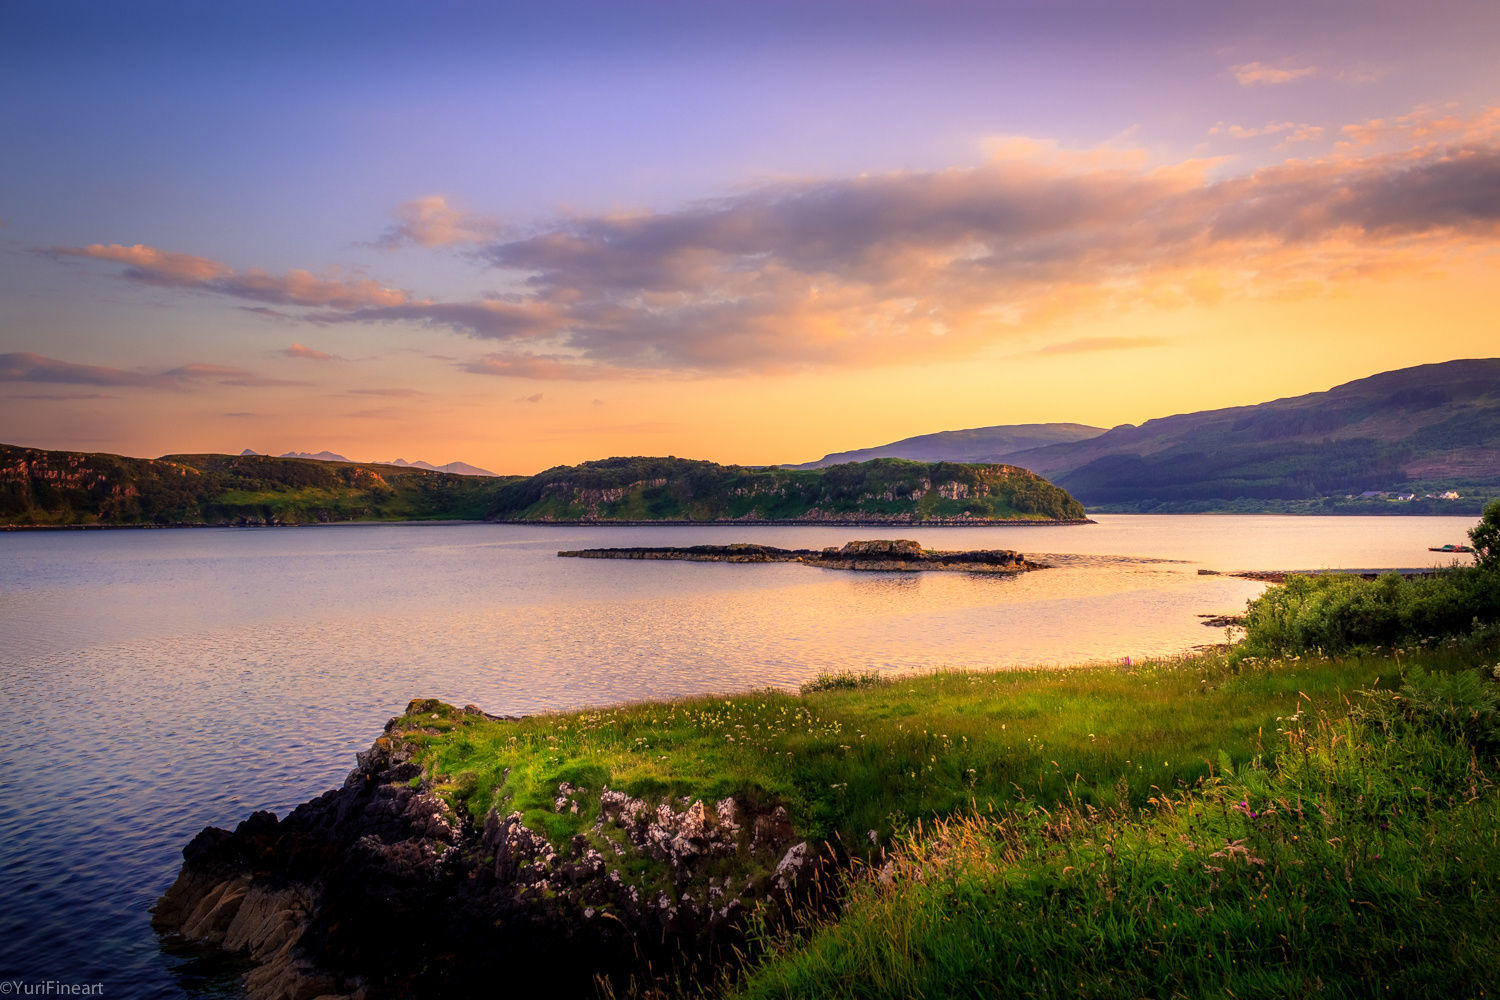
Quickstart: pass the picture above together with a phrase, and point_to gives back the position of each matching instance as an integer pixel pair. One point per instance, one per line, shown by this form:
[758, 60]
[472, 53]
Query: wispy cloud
[1289, 131]
[546, 367]
[224, 375]
[57, 397]
[28, 367]
[297, 287]
[535, 397]
[393, 393]
[309, 354]
[1259, 74]
[432, 222]
[1421, 127]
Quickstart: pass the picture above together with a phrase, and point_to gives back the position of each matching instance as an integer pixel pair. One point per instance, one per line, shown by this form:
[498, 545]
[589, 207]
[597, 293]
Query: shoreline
[596, 845]
[1282, 575]
[792, 523]
[1008, 523]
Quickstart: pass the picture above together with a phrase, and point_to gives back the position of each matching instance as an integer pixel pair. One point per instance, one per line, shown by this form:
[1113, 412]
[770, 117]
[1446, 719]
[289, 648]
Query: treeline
[673, 489]
[51, 488]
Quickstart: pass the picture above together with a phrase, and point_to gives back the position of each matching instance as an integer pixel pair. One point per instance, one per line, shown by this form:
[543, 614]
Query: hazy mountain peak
[321, 456]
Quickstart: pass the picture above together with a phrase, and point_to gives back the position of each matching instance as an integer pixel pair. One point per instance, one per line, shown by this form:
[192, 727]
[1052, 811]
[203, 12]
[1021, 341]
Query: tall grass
[1364, 863]
[853, 756]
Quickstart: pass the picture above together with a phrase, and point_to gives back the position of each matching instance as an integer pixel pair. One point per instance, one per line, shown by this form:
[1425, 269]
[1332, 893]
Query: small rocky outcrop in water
[879, 555]
[381, 889]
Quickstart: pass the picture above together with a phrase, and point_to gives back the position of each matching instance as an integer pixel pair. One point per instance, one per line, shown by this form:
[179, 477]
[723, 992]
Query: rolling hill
[61, 488]
[980, 444]
[1432, 429]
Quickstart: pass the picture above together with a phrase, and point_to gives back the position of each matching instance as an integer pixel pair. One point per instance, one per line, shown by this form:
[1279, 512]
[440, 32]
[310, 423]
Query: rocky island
[879, 555]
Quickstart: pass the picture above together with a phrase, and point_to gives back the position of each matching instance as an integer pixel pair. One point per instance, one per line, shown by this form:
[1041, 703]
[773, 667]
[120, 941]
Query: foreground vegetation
[1220, 824]
[1263, 819]
[1356, 856]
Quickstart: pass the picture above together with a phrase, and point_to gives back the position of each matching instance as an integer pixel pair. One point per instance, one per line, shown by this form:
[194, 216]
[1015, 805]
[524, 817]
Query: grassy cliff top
[879, 491]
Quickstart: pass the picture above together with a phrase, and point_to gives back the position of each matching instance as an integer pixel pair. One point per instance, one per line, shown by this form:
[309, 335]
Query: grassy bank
[1361, 861]
[1237, 823]
[1202, 826]
[852, 755]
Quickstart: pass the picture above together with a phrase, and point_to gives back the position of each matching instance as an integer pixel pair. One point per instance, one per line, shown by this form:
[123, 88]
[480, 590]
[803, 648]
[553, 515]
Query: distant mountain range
[1396, 442]
[452, 468]
[981, 444]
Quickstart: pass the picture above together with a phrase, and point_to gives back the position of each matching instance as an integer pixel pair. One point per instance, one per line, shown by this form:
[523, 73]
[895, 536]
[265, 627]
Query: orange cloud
[1293, 131]
[297, 287]
[432, 222]
[1258, 74]
[28, 367]
[299, 351]
[153, 265]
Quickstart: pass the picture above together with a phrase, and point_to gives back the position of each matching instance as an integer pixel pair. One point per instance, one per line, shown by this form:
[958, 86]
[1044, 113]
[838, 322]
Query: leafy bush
[1486, 536]
[1337, 612]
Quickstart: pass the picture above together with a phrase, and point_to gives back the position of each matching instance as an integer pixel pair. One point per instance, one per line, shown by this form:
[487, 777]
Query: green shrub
[1337, 612]
[1485, 536]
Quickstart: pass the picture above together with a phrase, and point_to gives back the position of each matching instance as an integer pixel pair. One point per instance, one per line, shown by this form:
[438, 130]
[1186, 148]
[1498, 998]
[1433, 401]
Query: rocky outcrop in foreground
[882, 555]
[380, 889]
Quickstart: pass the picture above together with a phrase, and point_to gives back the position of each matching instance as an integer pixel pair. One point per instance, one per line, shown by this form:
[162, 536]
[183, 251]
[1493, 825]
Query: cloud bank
[28, 367]
[903, 267]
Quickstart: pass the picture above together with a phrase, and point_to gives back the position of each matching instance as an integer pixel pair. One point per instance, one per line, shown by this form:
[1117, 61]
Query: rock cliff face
[880, 555]
[380, 889]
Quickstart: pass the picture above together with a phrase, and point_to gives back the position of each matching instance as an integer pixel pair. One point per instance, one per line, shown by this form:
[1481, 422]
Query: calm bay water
[159, 681]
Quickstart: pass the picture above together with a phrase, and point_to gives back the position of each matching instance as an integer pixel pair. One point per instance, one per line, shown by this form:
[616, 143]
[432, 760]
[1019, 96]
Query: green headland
[57, 488]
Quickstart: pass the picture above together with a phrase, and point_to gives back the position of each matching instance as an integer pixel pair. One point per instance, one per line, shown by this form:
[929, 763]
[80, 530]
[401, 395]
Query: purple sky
[521, 234]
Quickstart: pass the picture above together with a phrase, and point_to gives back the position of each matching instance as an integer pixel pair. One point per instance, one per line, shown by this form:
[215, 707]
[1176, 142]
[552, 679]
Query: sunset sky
[525, 235]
